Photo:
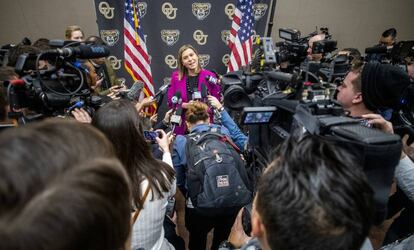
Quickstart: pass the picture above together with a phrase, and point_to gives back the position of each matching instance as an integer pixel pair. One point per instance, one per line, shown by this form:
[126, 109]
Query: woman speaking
[187, 82]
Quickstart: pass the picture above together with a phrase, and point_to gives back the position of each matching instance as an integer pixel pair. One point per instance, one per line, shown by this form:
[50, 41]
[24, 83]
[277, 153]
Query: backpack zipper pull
[218, 158]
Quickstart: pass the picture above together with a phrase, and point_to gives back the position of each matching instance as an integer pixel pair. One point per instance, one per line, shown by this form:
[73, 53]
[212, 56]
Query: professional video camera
[294, 47]
[60, 87]
[240, 87]
[393, 55]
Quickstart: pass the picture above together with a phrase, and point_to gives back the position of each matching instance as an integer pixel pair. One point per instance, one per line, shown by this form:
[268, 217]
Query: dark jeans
[199, 223]
[171, 235]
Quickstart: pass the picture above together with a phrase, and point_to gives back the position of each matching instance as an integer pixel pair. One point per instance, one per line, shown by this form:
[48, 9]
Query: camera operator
[292, 211]
[364, 90]
[388, 39]
[314, 61]
[315, 57]
[101, 71]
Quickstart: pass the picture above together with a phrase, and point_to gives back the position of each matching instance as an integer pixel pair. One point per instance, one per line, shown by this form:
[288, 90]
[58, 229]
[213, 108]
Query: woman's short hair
[196, 111]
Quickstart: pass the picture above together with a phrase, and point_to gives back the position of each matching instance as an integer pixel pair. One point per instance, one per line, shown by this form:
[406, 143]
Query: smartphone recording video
[150, 135]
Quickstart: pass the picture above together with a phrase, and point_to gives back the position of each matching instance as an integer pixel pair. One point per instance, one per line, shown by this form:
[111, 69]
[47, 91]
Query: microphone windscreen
[135, 90]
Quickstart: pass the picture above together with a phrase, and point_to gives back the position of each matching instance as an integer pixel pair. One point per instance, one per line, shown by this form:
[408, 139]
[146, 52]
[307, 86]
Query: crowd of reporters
[101, 183]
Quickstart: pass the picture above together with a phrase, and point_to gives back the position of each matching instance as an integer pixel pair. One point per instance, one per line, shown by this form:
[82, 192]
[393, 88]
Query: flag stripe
[137, 61]
[241, 32]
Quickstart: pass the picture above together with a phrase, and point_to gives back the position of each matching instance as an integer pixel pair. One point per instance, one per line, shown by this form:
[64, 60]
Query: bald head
[316, 38]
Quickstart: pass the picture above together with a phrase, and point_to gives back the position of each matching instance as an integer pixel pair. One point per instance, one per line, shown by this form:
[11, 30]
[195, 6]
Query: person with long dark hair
[153, 181]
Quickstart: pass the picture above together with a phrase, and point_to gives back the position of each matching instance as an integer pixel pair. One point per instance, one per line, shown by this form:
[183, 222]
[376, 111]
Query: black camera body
[293, 49]
[52, 91]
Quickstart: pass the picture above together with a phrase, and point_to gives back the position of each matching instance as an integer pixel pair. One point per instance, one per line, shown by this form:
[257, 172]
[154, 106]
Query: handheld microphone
[82, 51]
[162, 90]
[204, 94]
[212, 80]
[135, 91]
[176, 99]
[176, 116]
[204, 91]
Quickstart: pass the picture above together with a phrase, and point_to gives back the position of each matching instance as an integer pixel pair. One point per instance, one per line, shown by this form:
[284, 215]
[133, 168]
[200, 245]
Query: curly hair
[196, 111]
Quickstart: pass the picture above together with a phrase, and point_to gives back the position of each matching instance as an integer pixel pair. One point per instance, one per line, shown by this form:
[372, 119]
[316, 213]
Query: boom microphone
[162, 90]
[281, 76]
[82, 51]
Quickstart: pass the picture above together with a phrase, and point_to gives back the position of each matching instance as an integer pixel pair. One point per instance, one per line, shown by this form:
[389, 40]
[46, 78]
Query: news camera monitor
[257, 115]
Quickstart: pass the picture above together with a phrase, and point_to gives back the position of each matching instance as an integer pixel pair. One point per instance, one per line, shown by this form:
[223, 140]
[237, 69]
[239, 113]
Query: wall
[44, 18]
[353, 23]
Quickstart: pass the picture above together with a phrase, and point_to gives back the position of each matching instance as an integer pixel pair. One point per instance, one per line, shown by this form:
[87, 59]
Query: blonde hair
[181, 69]
[70, 29]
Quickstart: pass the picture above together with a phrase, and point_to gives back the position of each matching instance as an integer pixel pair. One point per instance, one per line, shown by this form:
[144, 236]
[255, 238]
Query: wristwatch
[226, 245]
[221, 109]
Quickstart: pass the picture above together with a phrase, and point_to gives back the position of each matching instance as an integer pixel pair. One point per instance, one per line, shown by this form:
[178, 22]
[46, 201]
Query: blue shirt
[236, 135]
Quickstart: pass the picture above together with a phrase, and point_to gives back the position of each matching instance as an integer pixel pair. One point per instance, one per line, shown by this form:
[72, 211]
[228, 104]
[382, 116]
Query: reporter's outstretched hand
[146, 102]
[214, 102]
[167, 117]
[81, 115]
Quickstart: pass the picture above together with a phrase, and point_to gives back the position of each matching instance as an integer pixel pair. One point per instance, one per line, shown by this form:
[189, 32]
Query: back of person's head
[42, 44]
[314, 196]
[385, 86]
[7, 73]
[95, 40]
[62, 188]
[18, 50]
[196, 112]
[352, 53]
[120, 122]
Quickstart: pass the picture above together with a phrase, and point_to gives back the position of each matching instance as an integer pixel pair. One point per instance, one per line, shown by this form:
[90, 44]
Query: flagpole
[270, 23]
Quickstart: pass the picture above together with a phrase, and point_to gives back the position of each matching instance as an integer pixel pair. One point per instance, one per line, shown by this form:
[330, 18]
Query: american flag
[137, 61]
[241, 35]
